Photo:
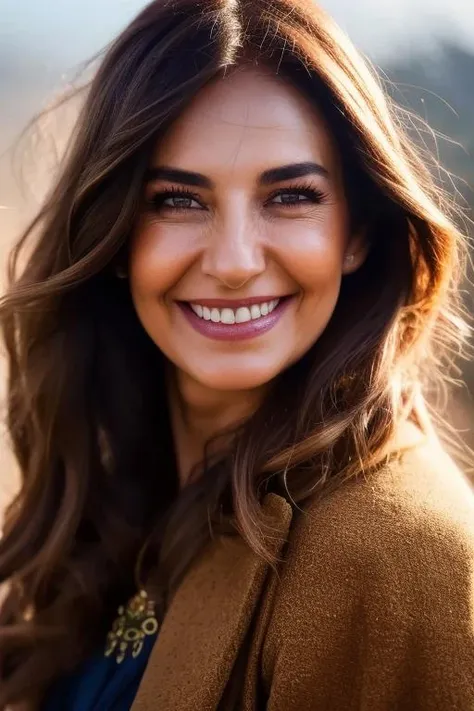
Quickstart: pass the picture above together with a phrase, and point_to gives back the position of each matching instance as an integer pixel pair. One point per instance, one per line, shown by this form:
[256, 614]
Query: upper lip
[233, 303]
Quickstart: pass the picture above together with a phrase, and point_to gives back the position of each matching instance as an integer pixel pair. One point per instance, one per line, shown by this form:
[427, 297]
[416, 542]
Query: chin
[235, 378]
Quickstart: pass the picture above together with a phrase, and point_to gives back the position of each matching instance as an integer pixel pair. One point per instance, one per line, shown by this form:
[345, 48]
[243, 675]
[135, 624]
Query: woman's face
[237, 259]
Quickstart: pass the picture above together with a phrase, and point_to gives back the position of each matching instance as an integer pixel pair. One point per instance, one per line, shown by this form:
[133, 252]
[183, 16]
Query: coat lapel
[207, 621]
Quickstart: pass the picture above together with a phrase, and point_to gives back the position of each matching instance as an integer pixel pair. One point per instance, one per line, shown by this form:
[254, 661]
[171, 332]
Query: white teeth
[239, 315]
[198, 310]
[227, 316]
[255, 311]
[242, 315]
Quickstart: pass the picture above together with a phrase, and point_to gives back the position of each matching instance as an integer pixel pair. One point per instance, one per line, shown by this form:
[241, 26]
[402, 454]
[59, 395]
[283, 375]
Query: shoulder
[399, 543]
[378, 587]
[414, 511]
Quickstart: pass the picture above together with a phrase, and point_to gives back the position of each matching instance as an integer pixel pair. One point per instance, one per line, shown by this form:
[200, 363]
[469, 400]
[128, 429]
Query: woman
[218, 345]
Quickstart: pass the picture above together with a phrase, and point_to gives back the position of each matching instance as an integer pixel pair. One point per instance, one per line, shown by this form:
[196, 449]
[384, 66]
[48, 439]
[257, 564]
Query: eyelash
[156, 201]
[311, 194]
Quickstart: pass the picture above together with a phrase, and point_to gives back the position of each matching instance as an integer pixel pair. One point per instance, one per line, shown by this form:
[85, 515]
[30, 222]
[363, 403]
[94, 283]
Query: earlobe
[353, 260]
[120, 272]
[356, 254]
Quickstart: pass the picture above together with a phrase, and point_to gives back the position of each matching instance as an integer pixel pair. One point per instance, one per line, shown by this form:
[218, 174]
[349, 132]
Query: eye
[181, 202]
[294, 197]
[290, 198]
[174, 201]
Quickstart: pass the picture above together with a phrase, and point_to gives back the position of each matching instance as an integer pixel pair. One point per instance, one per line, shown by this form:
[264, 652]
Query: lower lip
[237, 331]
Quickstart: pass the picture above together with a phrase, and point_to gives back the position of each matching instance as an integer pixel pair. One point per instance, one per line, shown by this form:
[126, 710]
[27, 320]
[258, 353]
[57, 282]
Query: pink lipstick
[234, 320]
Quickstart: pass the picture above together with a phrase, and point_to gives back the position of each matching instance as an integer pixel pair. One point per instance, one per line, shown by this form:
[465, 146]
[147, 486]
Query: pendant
[135, 622]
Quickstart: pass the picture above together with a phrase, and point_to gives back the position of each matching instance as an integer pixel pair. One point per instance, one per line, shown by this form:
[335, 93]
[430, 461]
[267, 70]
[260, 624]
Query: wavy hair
[87, 408]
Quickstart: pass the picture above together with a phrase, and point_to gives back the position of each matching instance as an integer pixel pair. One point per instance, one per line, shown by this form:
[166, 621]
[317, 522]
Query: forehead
[244, 123]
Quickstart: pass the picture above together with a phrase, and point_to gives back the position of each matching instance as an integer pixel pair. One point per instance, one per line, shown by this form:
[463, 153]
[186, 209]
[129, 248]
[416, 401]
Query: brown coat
[373, 609]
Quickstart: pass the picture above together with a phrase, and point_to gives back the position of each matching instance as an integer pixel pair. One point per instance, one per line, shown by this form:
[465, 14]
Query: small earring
[120, 272]
[349, 259]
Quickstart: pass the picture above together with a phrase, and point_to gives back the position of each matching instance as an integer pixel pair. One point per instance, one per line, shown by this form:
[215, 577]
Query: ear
[355, 253]
[121, 272]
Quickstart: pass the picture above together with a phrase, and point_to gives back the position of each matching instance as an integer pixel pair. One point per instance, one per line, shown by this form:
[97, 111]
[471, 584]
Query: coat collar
[207, 621]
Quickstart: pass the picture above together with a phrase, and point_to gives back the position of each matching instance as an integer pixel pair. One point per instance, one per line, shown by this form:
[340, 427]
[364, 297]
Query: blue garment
[100, 684]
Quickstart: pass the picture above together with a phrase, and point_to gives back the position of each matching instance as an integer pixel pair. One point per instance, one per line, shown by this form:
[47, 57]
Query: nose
[234, 254]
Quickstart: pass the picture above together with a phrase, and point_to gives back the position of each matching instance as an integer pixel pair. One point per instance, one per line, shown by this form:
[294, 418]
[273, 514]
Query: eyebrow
[268, 177]
[291, 171]
[176, 175]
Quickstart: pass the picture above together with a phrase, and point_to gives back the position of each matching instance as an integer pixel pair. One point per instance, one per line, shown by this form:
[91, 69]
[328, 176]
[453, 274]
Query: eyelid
[310, 190]
[173, 191]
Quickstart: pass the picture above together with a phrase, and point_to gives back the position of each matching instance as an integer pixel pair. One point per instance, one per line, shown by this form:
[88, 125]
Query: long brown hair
[87, 411]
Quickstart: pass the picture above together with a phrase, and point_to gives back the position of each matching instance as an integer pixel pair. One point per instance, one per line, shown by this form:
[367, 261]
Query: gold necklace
[135, 621]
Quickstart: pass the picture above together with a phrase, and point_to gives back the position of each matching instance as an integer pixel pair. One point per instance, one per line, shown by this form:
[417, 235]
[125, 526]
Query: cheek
[159, 256]
[312, 253]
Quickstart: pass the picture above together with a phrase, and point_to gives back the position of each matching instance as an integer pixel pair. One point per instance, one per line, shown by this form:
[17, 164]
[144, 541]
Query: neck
[199, 414]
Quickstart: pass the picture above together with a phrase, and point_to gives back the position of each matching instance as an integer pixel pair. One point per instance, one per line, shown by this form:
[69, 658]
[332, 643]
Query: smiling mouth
[230, 316]
[226, 320]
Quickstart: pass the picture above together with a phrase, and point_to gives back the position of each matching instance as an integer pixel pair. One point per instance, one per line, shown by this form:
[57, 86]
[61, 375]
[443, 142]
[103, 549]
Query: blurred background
[423, 49]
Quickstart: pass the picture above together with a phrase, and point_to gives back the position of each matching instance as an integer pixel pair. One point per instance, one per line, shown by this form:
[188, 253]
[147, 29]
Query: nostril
[232, 266]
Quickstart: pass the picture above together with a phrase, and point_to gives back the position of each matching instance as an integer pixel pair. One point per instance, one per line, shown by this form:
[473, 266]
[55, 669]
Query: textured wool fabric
[372, 610]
